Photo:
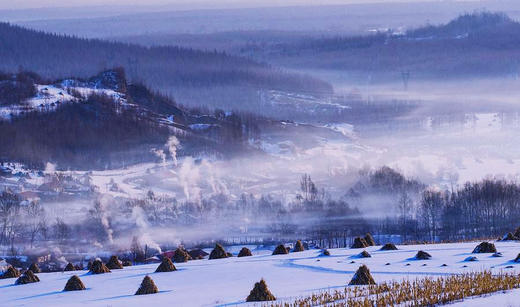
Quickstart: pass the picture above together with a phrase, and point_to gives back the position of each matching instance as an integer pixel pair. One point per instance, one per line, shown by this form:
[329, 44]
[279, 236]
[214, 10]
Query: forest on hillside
[228, 81]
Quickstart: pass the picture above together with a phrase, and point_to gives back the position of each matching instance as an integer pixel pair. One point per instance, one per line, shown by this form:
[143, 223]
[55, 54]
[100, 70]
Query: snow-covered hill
[227, 282]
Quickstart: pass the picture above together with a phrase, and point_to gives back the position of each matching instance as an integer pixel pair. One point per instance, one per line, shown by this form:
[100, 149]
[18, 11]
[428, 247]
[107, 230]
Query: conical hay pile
[74, 284]
[298, 247]
[27, 278]
[509, 237]
[364, 254]
[422, 255]
[260, 293]
[34, 268]
[389, 247]
[10, 273]
[166, 266]
[147, 287]
[98, 268]
[485, 247]
[181, 255]
[127, 263]
[370, 240]
[114, 263]
[245, 252]
[362, 277]
[280, 250]
[69, 267]
[218, 252]
[359, 243]
[517, 259]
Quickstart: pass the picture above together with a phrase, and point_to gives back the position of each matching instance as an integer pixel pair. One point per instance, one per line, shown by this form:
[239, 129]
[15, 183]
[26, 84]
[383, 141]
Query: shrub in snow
[362, 277]
[181, 255]
[359, 243]
[298, 247]
[260, 293]
[280, 250]
[166, 266]
[114, 263]
[389, 247]
[27, 278]
[147, 287]
[471, 258]
[422, 255]
[98, 267]
[34, 268]
[370, 240]
[485, 247]
[70, 267]
[325, 252]
[74, 284]
[10, 273]
[218, 252]
[245, 252]
[497, 254]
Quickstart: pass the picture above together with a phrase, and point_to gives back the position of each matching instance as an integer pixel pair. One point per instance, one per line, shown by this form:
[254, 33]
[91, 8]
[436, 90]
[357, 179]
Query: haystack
[245, 252]
[359, 243]
[509, 237]
[218, 252]
[370, 240]
[517, 232]
[34, 268]
[389, 247]
[517, 259]
[298, 247]
[181, 255]
[280, 250]
[198, 253]
[485, 247]
[74, 284]
[10, 273]
[89, 265]
[69, 267]
[364, 254]
[98, 267]
[362, 277]
[114, 263]
[260, 293]
[471, 258]
[422, 255]
[229, 254]
[166, 266]
[147, 286]
[27, 278]
[127, 263]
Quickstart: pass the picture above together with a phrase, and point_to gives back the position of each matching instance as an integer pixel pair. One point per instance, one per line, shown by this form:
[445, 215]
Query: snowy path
[227, 282]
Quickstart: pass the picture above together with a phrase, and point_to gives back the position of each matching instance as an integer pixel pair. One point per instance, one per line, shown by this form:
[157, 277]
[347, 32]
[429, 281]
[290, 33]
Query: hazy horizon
[197, 4]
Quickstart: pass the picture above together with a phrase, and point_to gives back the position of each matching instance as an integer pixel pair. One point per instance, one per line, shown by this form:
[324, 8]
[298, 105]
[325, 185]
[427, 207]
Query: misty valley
[236, 145]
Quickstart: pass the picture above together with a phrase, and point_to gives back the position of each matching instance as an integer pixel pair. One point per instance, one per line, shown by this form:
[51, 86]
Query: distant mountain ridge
[178, 72]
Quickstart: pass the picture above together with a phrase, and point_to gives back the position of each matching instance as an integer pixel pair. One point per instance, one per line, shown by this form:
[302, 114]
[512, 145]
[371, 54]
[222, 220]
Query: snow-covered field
[227, 282]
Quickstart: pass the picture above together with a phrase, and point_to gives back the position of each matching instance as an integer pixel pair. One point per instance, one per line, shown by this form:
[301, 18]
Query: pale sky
[184, 4]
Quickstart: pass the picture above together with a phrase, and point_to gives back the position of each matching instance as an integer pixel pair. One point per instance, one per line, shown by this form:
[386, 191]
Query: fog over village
[219, 153]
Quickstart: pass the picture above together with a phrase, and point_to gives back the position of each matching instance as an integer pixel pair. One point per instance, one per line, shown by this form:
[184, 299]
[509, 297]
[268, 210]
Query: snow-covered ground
[227, 282]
